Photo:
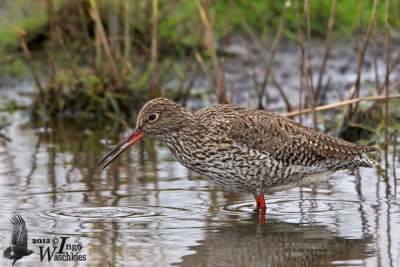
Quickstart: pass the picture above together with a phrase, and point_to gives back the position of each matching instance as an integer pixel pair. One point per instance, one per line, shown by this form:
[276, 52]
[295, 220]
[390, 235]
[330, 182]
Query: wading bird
[243, 150]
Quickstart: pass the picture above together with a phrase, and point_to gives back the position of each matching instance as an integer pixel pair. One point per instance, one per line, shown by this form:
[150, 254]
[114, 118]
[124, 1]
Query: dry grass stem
[117, 118]
[50, 11]
[252, 66]
[21, 33]
[328, 45]
[190, 85]
[343, 103]
[98, 50]
[250, 32]
[383, 149]
[273, 52]
[387, 51]
[188, 64]
[84, 22]
[289, 106]
[299, 31]
[355, 92]
[182, 80]
[71, 62]
[307, 70]
[303, 69]
[113, 28]
[307, 23]
[392, 66]
[30, 63]
[375, 46]
[228, 100]
[220, 91]
[127, 33]
[154, 68]
[362, 47]
[103, 38]
[203, 66]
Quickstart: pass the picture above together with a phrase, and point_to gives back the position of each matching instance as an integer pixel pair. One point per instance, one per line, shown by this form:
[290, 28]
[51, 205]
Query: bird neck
[186, 124]
[182, 123]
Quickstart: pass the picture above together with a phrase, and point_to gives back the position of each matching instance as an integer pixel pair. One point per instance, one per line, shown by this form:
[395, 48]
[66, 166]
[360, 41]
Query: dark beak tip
[129, 140]
[100, 162]
[105, 164]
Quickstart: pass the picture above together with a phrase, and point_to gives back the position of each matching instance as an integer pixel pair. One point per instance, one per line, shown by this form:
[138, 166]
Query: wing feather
[19, 233]
[281, 137]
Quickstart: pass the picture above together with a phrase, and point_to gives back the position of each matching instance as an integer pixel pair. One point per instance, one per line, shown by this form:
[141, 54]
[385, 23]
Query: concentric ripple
[95, 213]
[294, 206]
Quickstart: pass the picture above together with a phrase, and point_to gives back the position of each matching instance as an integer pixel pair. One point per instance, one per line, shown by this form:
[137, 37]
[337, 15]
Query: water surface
[148, 210]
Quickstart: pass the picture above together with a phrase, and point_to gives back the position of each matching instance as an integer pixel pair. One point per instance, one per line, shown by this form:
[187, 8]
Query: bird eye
[152, 117]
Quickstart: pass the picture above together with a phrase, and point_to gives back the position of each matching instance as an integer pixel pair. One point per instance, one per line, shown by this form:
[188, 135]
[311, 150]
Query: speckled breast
[239, 169]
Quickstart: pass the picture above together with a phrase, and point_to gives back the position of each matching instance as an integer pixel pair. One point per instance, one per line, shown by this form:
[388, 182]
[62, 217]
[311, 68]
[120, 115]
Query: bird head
[159, 118]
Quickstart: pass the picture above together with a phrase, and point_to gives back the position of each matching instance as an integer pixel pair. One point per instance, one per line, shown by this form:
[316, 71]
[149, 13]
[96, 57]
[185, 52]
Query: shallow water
[147, 209]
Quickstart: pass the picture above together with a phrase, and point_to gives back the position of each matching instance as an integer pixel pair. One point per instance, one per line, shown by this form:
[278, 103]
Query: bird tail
[364, 162]
[7, 253]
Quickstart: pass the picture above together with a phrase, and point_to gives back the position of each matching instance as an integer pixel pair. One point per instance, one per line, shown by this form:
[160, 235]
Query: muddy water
[148, 210]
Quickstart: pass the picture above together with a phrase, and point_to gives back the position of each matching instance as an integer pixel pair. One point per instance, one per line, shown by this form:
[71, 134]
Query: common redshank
[243, 150]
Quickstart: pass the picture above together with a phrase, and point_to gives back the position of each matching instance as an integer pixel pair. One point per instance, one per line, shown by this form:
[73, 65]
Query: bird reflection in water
[277, 243]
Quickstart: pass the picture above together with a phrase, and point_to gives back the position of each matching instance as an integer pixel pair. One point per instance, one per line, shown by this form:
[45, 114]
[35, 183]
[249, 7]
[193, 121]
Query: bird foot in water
[263, 211]
[260, 200]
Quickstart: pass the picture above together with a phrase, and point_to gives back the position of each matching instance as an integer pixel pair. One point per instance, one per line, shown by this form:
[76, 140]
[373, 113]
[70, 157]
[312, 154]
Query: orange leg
[260, 200]
[262, 203]
[262, 216]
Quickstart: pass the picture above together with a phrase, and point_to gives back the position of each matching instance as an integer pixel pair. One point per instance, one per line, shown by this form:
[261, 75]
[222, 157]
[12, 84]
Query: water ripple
[95, 213]
[294, 206]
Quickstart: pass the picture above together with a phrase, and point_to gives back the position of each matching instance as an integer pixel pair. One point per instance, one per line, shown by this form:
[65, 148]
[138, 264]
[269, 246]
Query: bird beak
[132, 138]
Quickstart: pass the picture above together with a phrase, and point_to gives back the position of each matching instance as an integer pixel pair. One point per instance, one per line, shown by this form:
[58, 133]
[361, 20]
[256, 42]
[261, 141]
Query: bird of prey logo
[19, 240]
